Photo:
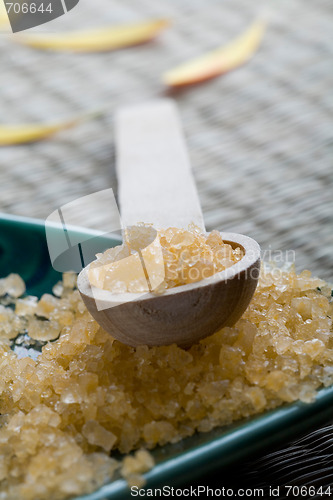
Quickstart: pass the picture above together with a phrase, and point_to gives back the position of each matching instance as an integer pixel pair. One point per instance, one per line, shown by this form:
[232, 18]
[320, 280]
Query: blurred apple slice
[111, 38]
[3, 15]
[219, 61]
[21, 134]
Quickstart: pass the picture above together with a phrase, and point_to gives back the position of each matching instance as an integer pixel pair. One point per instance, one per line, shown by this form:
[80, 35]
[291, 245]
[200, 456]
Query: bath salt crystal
[43, 330]
[47, 305]
[10, 324]
[98, 436]
[135, 480]
[140, 462]
[12, 285]
[26, 306]
[133, 466]
[58, 289]
[42, 415]
[69, 280]
[314, 348]
[70, 487]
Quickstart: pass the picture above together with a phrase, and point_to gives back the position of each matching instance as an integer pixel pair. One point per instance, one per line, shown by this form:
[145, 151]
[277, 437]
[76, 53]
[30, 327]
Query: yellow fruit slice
[219, 61]
[96, 40]
[3, 15]
[21, 134]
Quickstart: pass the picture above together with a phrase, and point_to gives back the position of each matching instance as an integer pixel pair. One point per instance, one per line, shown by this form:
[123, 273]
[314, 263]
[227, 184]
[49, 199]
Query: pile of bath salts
[64, 413]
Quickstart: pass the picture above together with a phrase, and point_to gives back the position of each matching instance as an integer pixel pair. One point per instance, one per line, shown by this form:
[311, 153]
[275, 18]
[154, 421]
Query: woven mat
[260, 137]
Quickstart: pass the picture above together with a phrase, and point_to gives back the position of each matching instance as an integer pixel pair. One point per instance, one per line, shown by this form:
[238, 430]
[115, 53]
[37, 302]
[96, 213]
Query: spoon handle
[155, 179]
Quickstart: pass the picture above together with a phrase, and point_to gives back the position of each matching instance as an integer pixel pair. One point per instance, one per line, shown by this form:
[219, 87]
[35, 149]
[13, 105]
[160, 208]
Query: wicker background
[260, 138]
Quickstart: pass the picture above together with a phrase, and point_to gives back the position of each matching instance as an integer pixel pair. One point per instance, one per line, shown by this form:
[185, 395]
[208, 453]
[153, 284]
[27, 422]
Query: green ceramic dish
[23, 250]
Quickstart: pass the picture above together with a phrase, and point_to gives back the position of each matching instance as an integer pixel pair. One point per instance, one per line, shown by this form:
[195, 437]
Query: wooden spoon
[156, 185]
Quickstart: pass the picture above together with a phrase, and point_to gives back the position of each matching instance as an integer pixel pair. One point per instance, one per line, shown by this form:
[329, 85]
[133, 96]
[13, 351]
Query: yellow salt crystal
[123, 271]
[46, 305]
[303, 306]
[257, 397]
[3, 469]
[13, 285]
[26, 306]
[135, 465]
[69, 280]
[158, 432]
[42, 415]
[276, 380]
[10, 324]
[98, 436]
[135, 480]
[58, 289]
[43, 330]
[314, 348]
[72, 394]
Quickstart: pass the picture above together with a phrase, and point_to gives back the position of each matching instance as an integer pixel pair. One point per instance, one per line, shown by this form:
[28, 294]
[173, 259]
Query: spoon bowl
[182, 315]
[156, 185]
